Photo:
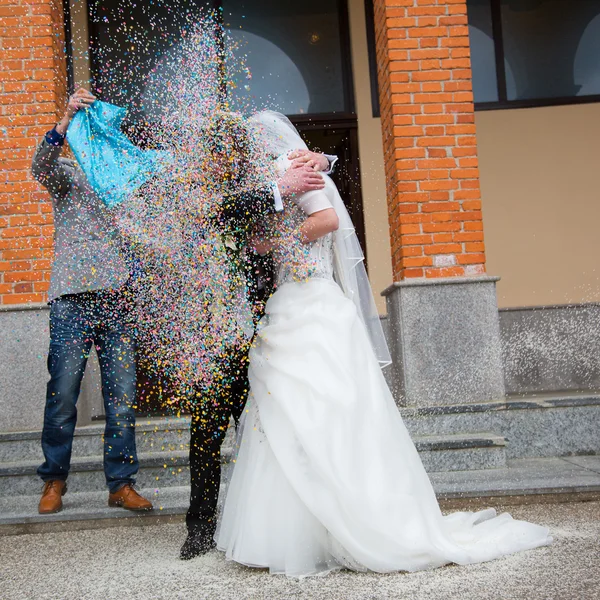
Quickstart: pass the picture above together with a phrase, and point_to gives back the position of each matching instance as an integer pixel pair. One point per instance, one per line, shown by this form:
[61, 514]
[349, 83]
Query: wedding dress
[326, 474]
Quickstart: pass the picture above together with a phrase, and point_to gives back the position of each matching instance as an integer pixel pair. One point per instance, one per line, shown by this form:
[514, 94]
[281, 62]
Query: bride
[326, 475]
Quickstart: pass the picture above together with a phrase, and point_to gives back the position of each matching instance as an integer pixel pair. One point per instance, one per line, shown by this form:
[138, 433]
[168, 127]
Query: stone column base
[24, 336]
[445, 341]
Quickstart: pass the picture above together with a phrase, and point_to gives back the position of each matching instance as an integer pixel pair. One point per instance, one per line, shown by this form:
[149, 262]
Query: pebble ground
[141, 563]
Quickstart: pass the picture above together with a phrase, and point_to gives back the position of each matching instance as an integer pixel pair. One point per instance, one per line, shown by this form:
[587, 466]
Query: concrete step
[157, 469]
[167, 468]
[461, 452]
[152, 435]
[519, 482]
[534, 426]
[559, 424]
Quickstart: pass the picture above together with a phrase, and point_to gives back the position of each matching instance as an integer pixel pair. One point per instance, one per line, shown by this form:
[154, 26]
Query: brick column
[429, 136]
[33, 80]
[443, 315]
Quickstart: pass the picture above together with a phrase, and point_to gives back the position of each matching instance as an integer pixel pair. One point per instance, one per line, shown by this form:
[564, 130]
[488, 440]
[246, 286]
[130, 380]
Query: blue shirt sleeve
[54, 138]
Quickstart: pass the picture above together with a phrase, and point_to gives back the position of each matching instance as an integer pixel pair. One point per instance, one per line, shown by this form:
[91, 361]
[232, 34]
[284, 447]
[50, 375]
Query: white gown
[326, 474]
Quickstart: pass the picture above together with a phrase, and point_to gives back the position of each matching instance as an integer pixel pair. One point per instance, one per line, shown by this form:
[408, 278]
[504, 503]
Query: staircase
[163, 454]
[506, 448]
[162, 446]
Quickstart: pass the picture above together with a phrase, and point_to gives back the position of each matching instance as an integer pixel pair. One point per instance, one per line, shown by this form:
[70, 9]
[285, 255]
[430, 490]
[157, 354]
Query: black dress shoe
[196, 545]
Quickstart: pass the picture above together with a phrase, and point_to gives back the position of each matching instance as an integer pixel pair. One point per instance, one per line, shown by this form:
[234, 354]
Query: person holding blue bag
[89, 293]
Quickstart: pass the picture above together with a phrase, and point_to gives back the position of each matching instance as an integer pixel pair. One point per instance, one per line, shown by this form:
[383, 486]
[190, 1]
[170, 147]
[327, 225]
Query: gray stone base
[23, 374]
[542, 426]
[550, 348]
[24, 338]
[445, 341]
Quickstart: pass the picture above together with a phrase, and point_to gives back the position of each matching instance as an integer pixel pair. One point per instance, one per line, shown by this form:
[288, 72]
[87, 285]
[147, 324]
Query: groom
[211, 415]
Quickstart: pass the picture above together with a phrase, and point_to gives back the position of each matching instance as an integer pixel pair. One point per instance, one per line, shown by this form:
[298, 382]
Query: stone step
[534, 426]
[166, 468]
[559, 424]
[157, 469]
[461, 452]
[152, 435]
[519, 482]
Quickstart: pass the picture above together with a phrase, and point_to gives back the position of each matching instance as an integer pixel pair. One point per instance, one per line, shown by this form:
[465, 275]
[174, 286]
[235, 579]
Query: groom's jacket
[88, 253]
[240, 211]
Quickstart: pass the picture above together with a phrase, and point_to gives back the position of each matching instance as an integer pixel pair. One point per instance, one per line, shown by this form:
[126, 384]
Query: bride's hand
[306, 158]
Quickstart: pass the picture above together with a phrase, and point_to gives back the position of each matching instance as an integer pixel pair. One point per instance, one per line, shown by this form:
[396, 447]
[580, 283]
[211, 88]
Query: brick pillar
[443, 315]
[429, 136]
[33, 80]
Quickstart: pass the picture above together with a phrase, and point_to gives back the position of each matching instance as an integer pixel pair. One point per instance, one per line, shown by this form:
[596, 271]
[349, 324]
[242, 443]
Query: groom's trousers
[211, 412]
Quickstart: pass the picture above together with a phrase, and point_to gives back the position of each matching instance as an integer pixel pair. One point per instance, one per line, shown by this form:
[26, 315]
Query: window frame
[503, 102]
[345, 44]
[68, 47]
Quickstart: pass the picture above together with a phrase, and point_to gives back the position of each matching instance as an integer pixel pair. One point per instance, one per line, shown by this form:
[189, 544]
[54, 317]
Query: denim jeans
[76, 322]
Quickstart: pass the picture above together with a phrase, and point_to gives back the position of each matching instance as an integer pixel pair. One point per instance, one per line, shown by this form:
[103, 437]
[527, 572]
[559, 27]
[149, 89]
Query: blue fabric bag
[114, 166]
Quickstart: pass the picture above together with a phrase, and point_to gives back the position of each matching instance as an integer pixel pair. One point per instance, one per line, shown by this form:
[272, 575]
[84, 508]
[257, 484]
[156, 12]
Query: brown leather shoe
[127, 497]
[51, 500]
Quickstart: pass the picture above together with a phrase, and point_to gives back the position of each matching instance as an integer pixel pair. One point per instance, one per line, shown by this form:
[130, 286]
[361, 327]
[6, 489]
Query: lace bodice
[296, 261]
[299, 262]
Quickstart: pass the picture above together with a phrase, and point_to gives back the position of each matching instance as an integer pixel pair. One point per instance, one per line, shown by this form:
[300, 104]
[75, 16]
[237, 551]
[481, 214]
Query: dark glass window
[527, 52]
[483, 55]
[296, 52]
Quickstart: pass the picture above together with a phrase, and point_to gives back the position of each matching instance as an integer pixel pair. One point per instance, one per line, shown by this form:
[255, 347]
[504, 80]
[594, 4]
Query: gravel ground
[141, 563]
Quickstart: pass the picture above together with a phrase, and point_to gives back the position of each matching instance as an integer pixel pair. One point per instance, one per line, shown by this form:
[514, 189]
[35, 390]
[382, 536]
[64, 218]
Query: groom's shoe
[196, 544]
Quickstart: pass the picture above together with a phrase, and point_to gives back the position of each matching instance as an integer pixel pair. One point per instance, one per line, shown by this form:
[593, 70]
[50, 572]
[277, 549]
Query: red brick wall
[33, 88]
[427, 118]
[430, 149]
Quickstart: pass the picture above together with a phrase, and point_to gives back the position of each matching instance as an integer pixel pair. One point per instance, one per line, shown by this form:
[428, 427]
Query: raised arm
[321, 219]
[47, 170]
[46, 167]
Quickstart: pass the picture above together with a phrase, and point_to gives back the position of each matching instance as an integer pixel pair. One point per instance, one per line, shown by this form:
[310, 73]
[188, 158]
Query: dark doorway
[299, 55]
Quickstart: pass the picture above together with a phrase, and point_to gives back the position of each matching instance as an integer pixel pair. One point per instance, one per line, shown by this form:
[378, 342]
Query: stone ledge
[540, 401]
[439, 281]
[95, 463]
[548, 307]
[143, 426]
[521, 482]
[458, 441]
[22, 307]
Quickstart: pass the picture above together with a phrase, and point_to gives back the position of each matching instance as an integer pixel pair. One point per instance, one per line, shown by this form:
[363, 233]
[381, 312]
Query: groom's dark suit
[211, 415]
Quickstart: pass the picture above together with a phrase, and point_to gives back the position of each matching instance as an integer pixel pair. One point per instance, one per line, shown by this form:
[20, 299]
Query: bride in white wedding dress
[326, 474]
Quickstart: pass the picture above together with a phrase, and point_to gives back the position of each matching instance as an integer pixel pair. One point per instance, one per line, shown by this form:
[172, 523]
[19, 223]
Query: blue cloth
[54, 138]
[114, 167]
[77, 321]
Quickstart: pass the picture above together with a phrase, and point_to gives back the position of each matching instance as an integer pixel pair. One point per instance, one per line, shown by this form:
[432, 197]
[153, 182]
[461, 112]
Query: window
[534, 52]
[296, 52]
